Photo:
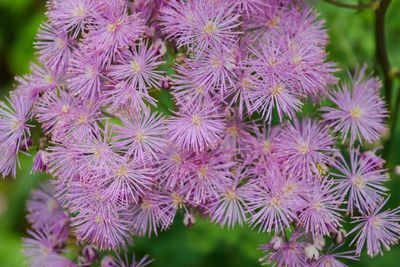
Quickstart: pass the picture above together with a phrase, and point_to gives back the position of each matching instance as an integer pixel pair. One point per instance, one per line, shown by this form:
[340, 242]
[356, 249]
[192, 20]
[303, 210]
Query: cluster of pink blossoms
[236, 147]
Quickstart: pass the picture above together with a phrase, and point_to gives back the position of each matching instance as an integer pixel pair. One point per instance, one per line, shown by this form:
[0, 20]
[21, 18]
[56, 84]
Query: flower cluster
[235, 147]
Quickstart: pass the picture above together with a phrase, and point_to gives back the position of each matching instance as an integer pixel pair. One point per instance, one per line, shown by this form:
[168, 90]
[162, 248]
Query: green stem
[381, 48]
[373, 4]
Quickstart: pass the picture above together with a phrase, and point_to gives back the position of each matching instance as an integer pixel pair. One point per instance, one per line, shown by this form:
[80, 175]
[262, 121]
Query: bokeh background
[205, 244]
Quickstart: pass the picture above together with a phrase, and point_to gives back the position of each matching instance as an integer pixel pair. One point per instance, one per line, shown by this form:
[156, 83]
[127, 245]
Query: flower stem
[373, 4]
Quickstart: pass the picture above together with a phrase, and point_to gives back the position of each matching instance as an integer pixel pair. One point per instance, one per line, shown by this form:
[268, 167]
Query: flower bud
[397, 170]
[90, 254]
[189, 220]
[319, 242]
[108, 261]
[311, 252]
[165, 83]
[39, 162]
[340, 236]
[371, 157]
[276, 242]
[161, 47]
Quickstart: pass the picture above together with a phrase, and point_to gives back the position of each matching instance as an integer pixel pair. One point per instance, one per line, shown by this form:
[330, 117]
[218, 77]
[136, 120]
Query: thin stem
[381, 49]
[373, 4]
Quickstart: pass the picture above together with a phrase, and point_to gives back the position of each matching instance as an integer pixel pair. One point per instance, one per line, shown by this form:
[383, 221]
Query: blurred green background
[352, 43]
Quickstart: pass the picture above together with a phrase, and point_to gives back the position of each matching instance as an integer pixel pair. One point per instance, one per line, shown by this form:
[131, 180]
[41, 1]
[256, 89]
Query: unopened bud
[90, 254]
[340, 236]
[371, 157]
[319, 242]
[108, 261]
[39, 162]
[24, 145]
[397, 170]
[189, 220]
[311, 252]
[165, 83]
[161, 47]
[276, 242]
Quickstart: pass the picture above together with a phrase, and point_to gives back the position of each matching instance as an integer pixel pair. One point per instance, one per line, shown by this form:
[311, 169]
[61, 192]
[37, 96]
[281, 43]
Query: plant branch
[381, 49]
[373, 4]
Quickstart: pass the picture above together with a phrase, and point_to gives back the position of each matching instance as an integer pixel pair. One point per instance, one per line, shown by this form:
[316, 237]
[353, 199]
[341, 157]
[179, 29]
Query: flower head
[363, 181]
[303, 146]
[73, 15]
[378, 230]
[138, 67]
[141, 135]
[321, 211]
[200, 24]
[359, 112]
[197, 128]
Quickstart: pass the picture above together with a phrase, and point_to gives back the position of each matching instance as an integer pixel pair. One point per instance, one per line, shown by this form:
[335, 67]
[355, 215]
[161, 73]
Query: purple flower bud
[311, 252]
[39, 162]
[108, 261]
[165, 83]
[189, 220]
[90, 254]
[319, 242]
[276, 242]
[340, 236]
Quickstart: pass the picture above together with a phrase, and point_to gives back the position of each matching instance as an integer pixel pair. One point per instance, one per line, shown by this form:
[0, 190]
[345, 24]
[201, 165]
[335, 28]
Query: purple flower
[85, 74]
[95, 153]
[138, 67]
[63, 161]
[173, 166]
[44, 78]
[127, 180]
[209, 173]
[331, 259]
[84, 120]
[303, 146]
[359, 111]
[214, 70]
[53, 47]
[186, 88]
[44, 209]
[14, 130]
[124, 262]
[274, 84]
[377, 229]
[263, 146]
[141, 135]
[113, 30]
[8, 161]
[196, 127]
[54, 110]
[237, 133]
[98, 220]
[150, 214]
[271, 204]
[73, 15]
[288, 253]
[43, 249]
[321, 211]
[363, 181]
[200, 24]
[230, 208]
[248, 7]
